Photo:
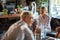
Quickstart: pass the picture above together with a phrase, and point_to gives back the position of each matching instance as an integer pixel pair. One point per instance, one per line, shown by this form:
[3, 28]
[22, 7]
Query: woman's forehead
[31, 16]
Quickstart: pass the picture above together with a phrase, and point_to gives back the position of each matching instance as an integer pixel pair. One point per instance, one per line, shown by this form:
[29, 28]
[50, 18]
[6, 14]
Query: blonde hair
[25, 14]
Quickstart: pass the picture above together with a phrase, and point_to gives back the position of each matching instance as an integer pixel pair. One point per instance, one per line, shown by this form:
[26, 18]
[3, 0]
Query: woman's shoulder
[15, 25]
[47, 15]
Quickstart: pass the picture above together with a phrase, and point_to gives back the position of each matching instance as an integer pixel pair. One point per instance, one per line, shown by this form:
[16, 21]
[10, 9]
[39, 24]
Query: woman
[43, 24]
[43, 20]
[20, 30]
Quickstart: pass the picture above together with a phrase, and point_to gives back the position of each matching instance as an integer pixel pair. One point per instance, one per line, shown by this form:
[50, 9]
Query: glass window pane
[55, 8]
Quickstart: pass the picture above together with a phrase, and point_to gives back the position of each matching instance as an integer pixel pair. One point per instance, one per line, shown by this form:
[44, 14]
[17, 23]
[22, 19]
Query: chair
[54, 24]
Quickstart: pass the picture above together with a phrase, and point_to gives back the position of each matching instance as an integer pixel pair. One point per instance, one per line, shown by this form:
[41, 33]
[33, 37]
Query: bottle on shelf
[5, 11]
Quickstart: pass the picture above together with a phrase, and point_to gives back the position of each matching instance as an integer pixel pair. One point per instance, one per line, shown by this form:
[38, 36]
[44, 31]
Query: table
[52, 38]
[10, 15]
[38, 37]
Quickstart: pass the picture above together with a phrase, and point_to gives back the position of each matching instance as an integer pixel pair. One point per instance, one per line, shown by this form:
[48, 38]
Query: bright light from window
[55, 8]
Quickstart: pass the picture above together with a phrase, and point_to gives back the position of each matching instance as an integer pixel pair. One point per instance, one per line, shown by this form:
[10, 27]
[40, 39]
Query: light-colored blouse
[44, 21]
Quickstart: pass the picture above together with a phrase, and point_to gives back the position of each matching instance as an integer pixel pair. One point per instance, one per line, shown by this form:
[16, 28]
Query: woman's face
[42, 11]
[30, 19]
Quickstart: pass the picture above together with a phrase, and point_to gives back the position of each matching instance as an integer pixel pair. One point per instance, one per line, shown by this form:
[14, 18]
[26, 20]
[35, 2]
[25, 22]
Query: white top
[44, 21]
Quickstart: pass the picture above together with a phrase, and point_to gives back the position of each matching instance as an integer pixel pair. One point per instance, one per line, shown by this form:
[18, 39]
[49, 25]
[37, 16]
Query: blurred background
[12, 9]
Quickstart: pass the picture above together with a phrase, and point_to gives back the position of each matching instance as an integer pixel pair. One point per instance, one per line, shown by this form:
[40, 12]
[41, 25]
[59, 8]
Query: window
[55, 8]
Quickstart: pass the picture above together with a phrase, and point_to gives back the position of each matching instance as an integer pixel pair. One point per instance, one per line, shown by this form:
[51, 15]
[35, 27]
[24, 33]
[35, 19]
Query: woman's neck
[29, 24]
[42, 15]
